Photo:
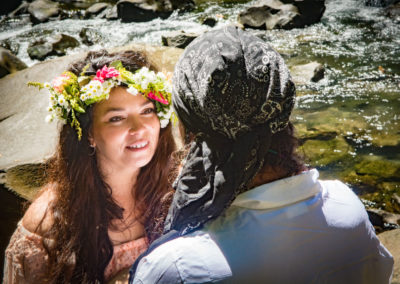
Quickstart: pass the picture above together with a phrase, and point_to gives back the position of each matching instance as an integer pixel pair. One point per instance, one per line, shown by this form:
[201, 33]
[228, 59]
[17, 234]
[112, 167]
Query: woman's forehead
[121, 99]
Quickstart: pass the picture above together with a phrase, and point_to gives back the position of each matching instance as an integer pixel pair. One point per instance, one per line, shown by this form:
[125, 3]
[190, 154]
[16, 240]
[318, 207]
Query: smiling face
[125, 131]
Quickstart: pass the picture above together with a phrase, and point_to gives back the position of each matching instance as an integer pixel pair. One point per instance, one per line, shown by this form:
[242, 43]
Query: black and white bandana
[232, 91]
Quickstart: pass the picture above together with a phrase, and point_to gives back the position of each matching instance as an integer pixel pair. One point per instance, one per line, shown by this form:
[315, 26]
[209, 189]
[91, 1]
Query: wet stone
[288, 14]
[306, 73]
[90, 36]
[9, 63]
[211, 22]
[12, 46]
[178, 39]
[56, 45]
[40, 51]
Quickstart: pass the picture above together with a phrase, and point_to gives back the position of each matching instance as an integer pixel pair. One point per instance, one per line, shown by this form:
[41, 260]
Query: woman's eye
[149, 110]
[115, 119]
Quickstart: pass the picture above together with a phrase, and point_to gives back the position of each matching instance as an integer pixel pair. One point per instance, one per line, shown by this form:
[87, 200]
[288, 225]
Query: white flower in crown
[132, 90]
[144, 83]
[61, 101]
[49, 118]
[161, 76]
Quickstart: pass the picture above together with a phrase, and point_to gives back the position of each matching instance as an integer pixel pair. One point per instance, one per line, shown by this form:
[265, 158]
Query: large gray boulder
[42, 10]
[391, 240]
[285, 14]
[26, 141]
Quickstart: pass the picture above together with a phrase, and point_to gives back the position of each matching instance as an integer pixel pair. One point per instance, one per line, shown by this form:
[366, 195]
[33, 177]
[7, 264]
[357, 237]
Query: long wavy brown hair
[83, 207]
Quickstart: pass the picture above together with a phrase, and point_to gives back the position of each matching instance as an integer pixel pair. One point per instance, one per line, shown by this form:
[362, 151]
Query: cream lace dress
[26, 258]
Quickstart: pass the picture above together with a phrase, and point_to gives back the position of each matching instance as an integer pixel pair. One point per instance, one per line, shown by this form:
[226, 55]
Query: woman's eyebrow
[146, 103]
[111, 109]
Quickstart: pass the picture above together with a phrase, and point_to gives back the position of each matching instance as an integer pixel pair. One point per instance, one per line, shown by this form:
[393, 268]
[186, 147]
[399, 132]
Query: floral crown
[71, 95]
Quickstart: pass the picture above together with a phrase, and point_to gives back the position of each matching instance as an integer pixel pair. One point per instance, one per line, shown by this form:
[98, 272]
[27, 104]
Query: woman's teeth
[137, 146]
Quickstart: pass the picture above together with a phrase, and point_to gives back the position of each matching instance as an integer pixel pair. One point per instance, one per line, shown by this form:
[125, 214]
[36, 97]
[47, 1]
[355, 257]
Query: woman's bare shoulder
[39, 218]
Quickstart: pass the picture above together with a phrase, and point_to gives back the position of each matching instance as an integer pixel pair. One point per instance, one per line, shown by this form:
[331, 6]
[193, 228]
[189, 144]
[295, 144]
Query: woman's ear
[91, 139]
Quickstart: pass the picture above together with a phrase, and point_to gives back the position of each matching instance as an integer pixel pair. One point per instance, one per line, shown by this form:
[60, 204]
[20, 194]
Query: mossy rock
[384, 196]
[385, 169]
[28, 179]
[385, 139]
[331, 120]
[326, 152]
[377, 180]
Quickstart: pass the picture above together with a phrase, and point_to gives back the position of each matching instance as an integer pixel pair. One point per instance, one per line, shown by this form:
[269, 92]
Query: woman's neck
[122, 184]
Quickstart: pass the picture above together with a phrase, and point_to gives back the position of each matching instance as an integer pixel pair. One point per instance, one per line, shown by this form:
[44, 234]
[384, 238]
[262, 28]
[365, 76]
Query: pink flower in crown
[59, 82]
[105, 73]
[160, 99]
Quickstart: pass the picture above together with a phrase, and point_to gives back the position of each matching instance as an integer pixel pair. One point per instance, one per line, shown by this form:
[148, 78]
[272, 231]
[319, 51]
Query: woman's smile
[138, 146]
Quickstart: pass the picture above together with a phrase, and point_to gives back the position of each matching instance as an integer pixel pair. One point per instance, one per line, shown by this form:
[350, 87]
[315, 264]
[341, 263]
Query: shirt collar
[281, 192]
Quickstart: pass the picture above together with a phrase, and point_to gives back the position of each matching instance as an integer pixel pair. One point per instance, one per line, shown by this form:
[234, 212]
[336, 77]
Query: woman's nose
[135, 125]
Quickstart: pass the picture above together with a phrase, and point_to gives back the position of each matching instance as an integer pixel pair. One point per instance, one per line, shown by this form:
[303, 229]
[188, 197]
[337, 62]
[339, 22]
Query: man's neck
[268, 174]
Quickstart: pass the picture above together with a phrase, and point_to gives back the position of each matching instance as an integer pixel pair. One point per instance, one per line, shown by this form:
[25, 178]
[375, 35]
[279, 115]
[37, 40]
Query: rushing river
[348, 121]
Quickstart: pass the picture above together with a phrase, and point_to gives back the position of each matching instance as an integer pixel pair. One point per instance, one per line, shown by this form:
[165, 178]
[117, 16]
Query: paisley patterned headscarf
[232, 91]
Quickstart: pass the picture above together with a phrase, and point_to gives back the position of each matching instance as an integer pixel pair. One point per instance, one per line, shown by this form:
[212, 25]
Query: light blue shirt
[294, 230]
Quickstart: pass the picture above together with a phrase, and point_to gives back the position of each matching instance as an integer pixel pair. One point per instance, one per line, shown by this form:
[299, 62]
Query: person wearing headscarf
[246, 209]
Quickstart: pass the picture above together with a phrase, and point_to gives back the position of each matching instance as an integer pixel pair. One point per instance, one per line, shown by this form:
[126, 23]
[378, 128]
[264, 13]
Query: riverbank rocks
[96, 9]
[9, 63]
[56, 45]
[288, 14]
[90, 36]
[306, 73]
[390, 240]
[386, 217]
[376, 180]
[26, 141]
[147, 10]
[178, 39]
[42, 10]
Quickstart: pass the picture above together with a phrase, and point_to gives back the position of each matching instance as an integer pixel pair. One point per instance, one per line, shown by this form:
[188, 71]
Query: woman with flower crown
[108, 183]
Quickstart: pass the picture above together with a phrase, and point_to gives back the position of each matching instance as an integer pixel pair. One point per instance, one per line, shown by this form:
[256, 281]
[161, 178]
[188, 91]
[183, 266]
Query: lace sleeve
[25, 258]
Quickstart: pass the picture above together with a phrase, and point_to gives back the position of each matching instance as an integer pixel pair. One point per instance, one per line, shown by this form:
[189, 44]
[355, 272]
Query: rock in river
[288, 14]
[56, 45]
[147, 10]
[42, 10]
[96, 9]
[178, 39]
[310, 72]
[90, 36]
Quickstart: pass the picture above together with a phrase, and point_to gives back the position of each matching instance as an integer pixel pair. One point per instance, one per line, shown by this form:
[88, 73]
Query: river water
[348, 121]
